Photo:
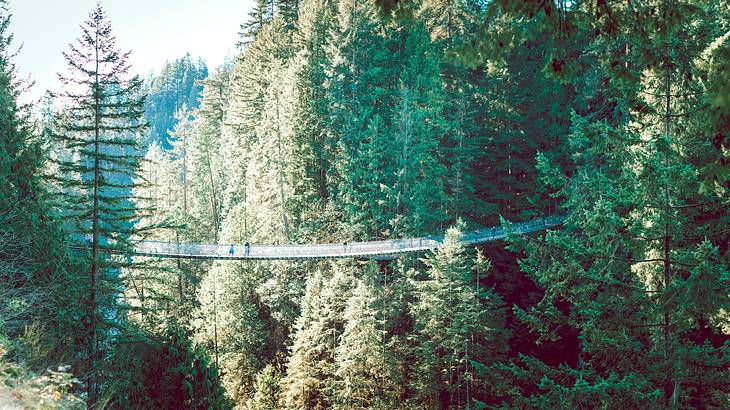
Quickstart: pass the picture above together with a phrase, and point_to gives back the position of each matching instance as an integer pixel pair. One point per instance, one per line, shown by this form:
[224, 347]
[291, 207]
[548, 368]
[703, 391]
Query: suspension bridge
[382, 250]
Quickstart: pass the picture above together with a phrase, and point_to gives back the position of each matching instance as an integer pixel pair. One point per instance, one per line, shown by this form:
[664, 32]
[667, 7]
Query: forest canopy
[344, 121]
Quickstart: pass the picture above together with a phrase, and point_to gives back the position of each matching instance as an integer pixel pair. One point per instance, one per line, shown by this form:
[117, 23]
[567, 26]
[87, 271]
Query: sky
[155, 30]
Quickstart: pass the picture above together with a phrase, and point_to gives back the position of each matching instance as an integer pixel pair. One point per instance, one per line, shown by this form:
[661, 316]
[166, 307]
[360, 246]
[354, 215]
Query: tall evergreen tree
[311, 381]
[262, 13]
[203, 150]
[456, 329]
[416, 194]
[313, 155]
[304, 368]
[227, 323]
[39, 281]
[362, 80]
[268, 390]
[365, 368]
[635, 255]
[259, 120]
[101, 128]
[451, 23]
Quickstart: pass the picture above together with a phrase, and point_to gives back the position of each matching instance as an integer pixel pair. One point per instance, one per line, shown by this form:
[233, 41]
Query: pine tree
[310, 380]
[268, 174]
[715, 62]
[203, 151]
[365, 368]
[262, 13]
[40, 281]
[303, 370]
[417, 194]
[526, 103]
[635, 255]
[385, 117]
[267, 391]
[180, 138]
[451, 23]
[101, 127]
[166, 292]
[258, 119]
[227, 323]
[362, 79]
[312, 158]
[456, 329]
[152, 292]
[20, 155]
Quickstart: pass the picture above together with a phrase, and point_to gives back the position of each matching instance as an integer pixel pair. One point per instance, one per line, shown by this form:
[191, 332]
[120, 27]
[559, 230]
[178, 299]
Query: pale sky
[155, 30]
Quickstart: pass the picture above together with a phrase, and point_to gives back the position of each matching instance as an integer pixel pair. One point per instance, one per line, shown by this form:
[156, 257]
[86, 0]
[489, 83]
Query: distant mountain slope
[173, 89]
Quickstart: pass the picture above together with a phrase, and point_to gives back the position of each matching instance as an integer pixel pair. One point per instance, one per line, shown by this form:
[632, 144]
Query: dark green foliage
[532, 117]
[288, 9]
[716, 66]
[362, 82]
[385, 97]
[458, 328]
[39, 319]
[97, 170]
[347, 119]
[642, 270]
[164, 373]
[463, 102]
[314, 146]
[365, 361]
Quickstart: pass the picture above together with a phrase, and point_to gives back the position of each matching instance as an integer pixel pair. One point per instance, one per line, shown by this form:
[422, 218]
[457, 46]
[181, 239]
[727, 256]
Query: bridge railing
[286, 251]
[332, 250]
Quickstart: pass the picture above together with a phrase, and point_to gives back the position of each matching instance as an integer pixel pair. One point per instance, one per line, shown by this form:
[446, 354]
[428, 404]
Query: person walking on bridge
[231, 250]
[246, 248]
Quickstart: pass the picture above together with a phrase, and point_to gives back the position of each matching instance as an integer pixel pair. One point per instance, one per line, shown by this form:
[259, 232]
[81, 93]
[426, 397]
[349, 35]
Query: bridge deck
[372, 250]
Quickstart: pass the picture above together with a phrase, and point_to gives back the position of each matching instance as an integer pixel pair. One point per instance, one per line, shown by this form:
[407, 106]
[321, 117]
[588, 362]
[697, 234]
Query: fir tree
[304, 367]
[267, 391]
[456, 329]
[203, 150]
[228, 324]
[101, 127]
[312, 158]
[41, 282]
[634, 256]
[258, 118]
[310, 380]
[450, 23]
[364, 366]
[262, 13]
[362, 80]
[417, 193]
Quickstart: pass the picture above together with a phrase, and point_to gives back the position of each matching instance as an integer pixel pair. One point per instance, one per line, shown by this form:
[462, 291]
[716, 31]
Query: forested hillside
[174, 90]
[342, 121]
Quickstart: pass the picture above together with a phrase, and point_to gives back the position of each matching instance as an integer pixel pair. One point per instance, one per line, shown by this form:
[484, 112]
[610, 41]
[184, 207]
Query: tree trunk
[668, 349]
[93, 346]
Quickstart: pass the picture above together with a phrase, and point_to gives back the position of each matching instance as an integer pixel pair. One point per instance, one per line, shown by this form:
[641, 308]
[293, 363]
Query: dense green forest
[342, 121]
